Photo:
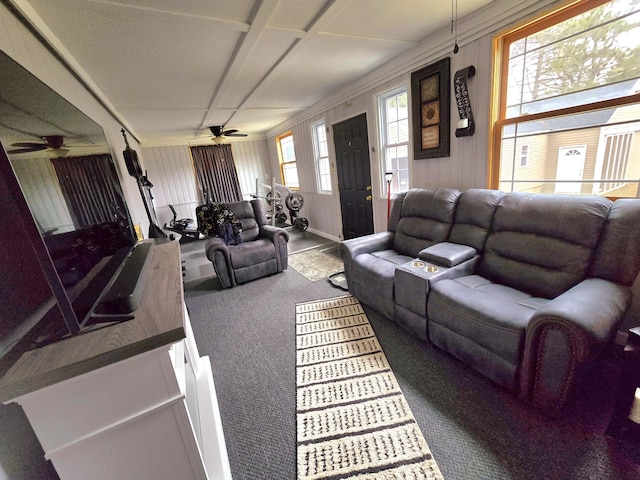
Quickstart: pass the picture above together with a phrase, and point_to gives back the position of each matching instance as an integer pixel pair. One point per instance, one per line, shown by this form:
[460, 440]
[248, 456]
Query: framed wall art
[430, 110]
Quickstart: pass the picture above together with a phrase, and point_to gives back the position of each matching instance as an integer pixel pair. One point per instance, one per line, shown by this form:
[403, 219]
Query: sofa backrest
[425, 218]
[474, 216]
[543, 244]
[617, 258]
[251, 215]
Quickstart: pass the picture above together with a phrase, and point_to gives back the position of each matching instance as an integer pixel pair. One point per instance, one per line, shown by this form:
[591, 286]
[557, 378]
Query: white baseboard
[324, 235]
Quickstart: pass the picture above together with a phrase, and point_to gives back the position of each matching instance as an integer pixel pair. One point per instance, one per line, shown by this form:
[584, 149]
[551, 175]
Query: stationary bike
[181, 226]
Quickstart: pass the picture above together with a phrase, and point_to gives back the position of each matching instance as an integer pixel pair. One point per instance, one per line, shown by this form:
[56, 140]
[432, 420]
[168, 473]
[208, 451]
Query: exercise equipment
[144, 186]
[293, 202]
[181, 226]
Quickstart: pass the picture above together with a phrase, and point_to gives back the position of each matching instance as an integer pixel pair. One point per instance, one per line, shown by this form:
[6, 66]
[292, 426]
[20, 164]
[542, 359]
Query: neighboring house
[600, 155]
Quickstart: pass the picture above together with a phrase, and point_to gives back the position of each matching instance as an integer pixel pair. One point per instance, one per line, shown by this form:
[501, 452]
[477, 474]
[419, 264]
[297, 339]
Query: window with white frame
[393, 112]
[287, 158]
[321, 155]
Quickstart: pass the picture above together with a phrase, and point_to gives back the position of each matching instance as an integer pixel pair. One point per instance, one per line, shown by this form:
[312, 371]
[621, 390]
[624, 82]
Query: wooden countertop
[158, 321]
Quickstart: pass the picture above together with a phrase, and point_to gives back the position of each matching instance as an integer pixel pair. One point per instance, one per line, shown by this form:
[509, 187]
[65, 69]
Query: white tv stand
[141, 405]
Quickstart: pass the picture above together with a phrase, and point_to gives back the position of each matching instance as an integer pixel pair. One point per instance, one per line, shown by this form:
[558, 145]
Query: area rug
[315, 264]
[353, 421]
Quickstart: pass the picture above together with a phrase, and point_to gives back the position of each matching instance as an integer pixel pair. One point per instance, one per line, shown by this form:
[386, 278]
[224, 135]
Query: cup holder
[425, 266]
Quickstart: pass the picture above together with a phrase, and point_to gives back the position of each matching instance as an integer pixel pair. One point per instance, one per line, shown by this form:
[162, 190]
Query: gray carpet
[249, 333]
[474, 428]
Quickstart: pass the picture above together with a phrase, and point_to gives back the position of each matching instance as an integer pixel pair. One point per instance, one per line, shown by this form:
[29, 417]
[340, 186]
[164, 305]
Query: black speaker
[131, 159]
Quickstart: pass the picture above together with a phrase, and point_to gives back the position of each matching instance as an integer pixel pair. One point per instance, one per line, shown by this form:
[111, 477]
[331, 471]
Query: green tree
[586, 51]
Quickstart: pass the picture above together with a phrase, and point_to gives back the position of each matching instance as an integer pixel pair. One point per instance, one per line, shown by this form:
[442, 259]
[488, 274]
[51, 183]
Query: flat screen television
[36, 307]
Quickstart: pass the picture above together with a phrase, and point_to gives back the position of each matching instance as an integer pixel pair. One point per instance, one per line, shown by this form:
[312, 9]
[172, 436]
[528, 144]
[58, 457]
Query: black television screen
[38, 304]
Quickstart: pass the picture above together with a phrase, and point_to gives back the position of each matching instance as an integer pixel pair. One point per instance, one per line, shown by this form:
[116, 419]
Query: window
[524, 155]
[321, 154]
[287, 156]
[394, 135]
[566, 81]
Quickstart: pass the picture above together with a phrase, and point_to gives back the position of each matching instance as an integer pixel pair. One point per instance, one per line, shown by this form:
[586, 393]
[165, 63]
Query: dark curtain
[91, 188]
[216, 173]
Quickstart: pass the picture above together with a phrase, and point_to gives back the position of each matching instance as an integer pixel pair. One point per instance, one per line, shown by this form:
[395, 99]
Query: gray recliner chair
[262, 251]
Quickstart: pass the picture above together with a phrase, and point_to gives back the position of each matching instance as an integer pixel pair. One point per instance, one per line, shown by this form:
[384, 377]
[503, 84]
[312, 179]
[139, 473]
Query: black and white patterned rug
[353, 421]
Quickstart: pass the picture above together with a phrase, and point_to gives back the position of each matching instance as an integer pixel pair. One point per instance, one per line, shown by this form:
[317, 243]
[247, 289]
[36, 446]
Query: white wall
[170, 170]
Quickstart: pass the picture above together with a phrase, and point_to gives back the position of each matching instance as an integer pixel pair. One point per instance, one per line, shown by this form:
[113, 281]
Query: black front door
[354, 176]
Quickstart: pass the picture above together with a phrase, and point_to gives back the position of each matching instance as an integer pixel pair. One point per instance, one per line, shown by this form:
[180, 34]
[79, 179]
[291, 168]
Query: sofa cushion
[372, 277]
[447, 254]
[425, 219]
[244, 212]
[377, 268]
[493, 317]
[474, 216]
[252, 253]
[543, 244]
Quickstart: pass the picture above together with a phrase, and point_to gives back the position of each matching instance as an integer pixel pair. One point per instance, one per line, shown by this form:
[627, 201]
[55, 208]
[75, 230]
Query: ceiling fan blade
[235, 134]
[230, 131]
[40, 146]
[25, 150]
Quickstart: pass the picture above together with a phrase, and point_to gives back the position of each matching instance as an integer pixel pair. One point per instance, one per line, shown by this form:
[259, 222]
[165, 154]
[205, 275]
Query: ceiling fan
[218, 132]
[49, 142]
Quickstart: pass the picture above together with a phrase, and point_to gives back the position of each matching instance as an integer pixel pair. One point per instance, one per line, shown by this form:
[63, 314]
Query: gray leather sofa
[528, 289]
[262, 251]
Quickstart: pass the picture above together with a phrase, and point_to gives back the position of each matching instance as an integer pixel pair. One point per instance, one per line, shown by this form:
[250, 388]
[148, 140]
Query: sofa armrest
[447, 254]
[350, 249]
[214, 244]
[272, 233]
[280, 238]
[218, 253]
[375, 242]
[565, 334]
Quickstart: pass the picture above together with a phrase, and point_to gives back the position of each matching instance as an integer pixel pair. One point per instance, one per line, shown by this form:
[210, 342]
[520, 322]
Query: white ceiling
[171, 68]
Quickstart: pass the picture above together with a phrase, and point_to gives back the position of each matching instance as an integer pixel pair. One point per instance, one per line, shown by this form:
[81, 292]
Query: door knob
[369, 188]
[369, 198]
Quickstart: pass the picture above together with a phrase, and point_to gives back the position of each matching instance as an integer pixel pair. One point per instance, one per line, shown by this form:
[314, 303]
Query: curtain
[216, 173]
[91, 189]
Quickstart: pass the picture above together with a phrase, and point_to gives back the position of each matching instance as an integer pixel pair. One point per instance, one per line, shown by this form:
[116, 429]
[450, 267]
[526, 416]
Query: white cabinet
[151, 416]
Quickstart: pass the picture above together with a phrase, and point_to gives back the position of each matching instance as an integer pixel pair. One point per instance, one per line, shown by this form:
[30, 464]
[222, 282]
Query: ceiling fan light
[58, 152]
[218, 140]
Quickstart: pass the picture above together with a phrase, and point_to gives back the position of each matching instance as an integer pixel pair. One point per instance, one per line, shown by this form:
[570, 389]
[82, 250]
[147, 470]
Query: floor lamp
[388, 176]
